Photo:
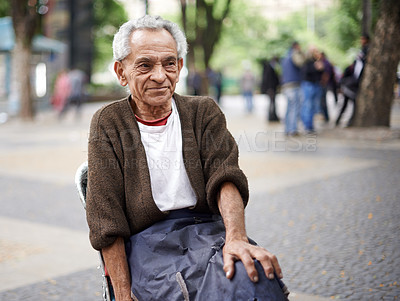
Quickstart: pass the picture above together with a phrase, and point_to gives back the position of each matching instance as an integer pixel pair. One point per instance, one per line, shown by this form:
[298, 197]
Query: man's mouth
[157, 88]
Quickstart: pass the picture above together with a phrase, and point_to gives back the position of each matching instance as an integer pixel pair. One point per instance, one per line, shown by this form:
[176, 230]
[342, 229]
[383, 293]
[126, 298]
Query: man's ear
[119, 71]
[180, 64]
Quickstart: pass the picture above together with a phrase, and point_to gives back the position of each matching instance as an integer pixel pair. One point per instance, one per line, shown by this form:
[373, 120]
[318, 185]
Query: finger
[266, 260]
[248, 263]
[276, 266]
[229, 265]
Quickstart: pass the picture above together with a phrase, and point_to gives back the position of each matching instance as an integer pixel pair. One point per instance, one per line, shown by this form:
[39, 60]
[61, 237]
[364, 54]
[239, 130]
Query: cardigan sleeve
[105, 206]
[220, 154]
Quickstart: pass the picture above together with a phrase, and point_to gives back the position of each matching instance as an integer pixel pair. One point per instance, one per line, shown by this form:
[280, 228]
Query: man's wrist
[236, 237]
[124, 294]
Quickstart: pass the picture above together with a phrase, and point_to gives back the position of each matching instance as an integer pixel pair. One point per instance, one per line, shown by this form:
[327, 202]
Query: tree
[204, 33]
[4, 8]
[25, 20]
[108, 17]
[366, 20]
[80, 36]
[375, 96]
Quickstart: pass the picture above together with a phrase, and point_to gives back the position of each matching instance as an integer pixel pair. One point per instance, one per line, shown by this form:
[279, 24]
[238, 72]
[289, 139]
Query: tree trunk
[210, 35]
[367, 15]
[22, 81]
[24, 22]
[206, 26]
[190, 60]
[80, 35]
[375, 96]
[207, 29]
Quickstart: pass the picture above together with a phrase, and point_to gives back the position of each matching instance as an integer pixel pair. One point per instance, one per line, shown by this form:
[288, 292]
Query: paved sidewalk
[326, 204]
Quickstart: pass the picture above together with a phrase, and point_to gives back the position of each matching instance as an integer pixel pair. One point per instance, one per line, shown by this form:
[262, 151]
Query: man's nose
[158, 73]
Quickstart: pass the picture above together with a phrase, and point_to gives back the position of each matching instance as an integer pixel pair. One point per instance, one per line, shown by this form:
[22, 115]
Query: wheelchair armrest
[81, 177]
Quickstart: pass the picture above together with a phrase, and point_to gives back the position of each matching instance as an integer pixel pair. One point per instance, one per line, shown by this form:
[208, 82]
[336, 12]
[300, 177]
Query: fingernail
[271, 276]
[255, 279]
[280, 275]
[228, 274]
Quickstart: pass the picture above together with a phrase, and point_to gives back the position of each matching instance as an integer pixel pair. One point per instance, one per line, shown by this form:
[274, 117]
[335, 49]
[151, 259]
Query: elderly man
[166, 198]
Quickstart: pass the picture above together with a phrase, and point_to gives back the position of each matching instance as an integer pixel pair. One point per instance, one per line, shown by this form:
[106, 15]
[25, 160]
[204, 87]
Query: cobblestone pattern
[81, 286]
[47, 203]
[337, 238]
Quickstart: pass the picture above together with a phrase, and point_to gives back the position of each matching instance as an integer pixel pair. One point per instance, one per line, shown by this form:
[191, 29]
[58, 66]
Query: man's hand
[237, 246]
[117, 266]
[246, 252]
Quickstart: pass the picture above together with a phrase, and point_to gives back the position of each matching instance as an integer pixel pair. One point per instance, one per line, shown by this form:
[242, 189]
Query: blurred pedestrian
[218, 80]
[77, 96]
[398, 81]
[311, 87]
[215, 83]
[328, 83]
[194, 82]
[291, 79]
[62, 88]
[351, 77]
[269, 86]
[247, 86]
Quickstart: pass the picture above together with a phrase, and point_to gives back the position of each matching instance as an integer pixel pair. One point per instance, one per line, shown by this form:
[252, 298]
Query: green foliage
[203, 21]
[245, 31]
[5, 8]
[219, 7]
[108, 17]
[348, 19]
[348, 23]
[248, 36]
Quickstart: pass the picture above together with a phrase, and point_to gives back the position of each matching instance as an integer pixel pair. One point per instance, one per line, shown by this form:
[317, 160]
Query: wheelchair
[81, 177]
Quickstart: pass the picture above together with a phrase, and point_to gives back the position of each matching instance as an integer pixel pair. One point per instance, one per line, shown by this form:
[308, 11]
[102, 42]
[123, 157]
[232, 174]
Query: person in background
[328, 83]
[312, 71]
[398, 81]
[194, 82]
[218, 84]
[269, 86]
[214, 83]
[166, 197]
[62, 90]
[247, 86]
[291, 79]
[351, 77]
[77, 95]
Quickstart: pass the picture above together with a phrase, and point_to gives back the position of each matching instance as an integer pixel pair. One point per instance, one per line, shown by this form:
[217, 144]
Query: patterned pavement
[327, 205]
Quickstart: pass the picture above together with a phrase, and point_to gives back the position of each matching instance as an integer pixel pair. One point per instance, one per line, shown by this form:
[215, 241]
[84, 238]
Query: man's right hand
[117, 266]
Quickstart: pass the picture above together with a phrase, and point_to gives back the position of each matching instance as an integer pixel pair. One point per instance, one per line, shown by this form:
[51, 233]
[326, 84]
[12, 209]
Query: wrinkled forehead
[152, 44]
[152, 37]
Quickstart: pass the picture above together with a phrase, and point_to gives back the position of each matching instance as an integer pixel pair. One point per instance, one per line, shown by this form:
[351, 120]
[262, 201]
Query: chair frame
[81, 177]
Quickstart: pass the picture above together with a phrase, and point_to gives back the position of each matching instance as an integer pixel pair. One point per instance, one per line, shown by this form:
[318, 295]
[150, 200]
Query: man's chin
[159, 99]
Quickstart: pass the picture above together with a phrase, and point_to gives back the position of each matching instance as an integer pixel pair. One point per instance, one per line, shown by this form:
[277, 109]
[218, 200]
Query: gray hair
[121, 43]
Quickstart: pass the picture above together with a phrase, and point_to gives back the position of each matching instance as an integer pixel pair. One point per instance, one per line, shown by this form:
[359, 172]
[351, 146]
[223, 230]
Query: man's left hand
[237, 246]
[244, 251]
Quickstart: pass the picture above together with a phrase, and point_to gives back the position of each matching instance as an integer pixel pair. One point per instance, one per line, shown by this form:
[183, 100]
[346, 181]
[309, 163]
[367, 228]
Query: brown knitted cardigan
[119, 197]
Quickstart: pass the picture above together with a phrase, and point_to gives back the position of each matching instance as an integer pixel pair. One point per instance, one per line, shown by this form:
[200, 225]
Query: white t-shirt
[170, 184]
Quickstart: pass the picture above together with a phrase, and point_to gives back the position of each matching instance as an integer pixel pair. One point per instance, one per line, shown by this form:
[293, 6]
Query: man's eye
[171, 65]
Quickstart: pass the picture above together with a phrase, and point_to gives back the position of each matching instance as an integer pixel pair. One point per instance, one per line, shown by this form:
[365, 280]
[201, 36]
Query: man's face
[152, 69]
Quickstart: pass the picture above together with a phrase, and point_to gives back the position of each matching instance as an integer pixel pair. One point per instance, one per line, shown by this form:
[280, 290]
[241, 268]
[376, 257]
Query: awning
[39, 44]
